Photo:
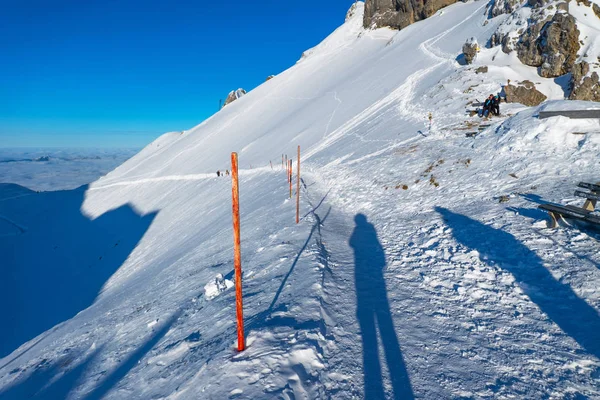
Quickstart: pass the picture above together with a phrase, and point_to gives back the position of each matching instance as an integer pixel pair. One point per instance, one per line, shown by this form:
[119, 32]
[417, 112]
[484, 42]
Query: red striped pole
[298, 189]
[237, 253]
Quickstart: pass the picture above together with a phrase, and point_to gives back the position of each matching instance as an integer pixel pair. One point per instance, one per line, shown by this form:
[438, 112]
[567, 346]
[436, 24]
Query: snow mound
[216, 287]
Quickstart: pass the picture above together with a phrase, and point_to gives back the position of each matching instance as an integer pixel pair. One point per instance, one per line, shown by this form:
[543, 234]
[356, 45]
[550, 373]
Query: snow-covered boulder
[551, 45]
[470, 49]
[217, 286]
[504, 7]
[234, 95]
[585, 86]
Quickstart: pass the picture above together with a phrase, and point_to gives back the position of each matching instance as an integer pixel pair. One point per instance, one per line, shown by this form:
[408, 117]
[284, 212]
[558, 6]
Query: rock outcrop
[352, 11]
[525, 93]
[551, 45]
[399, 14]
[504, 7]
[584, 86]
[470, 49]
[233, 96]
[545, 35]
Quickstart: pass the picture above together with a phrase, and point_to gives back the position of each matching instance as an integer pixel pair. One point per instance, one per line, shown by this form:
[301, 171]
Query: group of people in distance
[491, 105]
[219, 173]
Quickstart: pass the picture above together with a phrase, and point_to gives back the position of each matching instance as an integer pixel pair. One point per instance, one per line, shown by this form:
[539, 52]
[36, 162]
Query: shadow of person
[573, 315]
[60, 262]
[373, 312]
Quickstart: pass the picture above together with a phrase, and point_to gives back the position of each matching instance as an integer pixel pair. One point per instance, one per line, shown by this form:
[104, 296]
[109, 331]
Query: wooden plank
[590, 186]
[571, 212]
[573, 114]
[587, 195]
[579, 210]
[563, 210]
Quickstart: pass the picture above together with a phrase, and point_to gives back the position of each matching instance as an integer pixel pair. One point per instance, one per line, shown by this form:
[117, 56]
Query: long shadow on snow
[264, 318]
[58, 266]
[558, 301]
[373, 314]
[42, 382]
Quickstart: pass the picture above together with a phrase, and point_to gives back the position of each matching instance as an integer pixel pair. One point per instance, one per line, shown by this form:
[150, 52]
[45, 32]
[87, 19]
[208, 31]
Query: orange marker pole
[290, 175]
[287, 167]
[298, 189]
[237, 253]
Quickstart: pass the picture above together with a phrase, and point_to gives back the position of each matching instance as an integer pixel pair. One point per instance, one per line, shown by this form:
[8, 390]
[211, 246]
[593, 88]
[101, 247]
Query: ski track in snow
[177, 178]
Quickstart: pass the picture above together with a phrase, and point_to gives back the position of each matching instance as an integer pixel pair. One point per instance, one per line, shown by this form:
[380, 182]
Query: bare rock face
[596, 9]
[398, 14]
[537, 3]
[525, 93]
[234, 95]
[470, 49]
[584, 87]
[527, 48]
[504, 7]
[551, 45]
[503, 39]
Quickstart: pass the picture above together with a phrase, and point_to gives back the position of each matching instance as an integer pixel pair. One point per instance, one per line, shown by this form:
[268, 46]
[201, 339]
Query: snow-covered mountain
[421, 266]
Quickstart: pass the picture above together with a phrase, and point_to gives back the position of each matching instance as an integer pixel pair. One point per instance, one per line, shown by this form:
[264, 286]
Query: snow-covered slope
[407, 277]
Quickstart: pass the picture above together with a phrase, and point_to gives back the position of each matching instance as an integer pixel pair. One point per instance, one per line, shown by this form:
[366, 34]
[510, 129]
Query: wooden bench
[573, 114]
[585, 213]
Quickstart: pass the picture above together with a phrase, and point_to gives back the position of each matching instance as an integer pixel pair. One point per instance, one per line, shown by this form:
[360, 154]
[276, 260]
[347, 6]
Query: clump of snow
[216, 287]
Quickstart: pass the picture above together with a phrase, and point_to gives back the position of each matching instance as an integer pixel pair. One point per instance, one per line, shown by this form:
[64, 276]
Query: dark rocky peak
[399, 14]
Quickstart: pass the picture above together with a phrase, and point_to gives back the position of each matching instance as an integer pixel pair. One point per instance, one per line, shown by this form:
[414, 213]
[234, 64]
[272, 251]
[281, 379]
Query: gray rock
[537, 3]
[501, 38]
[234, 95]
[525, 93]
[551, 45]
[584, 87]
[504, 7]
[399, 14]
[470, 49]
[596, 9]
[482, 70]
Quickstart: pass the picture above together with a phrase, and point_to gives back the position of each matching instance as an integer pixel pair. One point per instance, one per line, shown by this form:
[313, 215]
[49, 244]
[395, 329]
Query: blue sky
[118, 73]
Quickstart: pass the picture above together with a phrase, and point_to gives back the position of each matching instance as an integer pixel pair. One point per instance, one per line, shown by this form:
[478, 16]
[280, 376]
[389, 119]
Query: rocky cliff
[399, 14]
[557, 37]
